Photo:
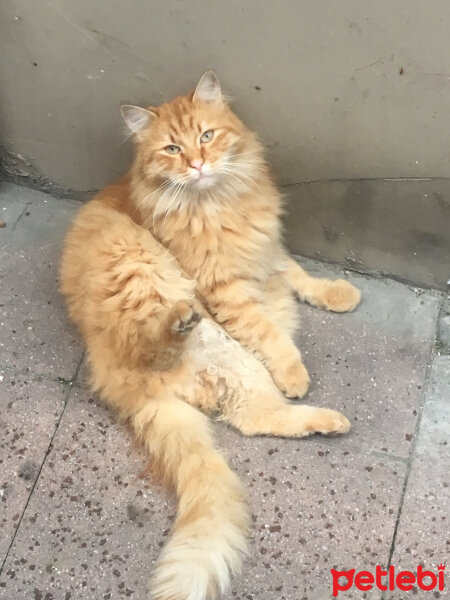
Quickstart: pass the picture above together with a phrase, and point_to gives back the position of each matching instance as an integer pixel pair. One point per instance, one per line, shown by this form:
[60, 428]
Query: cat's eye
[207, 136]
[171, 149]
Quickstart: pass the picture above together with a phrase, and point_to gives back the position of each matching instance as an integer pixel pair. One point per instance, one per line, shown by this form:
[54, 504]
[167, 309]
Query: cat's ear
[208, 88]
[136, 118]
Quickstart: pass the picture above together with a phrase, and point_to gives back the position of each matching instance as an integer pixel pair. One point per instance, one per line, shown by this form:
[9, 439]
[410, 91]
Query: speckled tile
[82, 379]
[93, 527]
[45, 220]
[29, 411]
[34, 330]
[12, 205]
[371, 364]
[315, 507]
[434, 434]
[424, 530]
[443, 337]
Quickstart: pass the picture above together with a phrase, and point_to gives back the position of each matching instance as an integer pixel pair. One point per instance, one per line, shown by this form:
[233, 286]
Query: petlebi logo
[388, 580]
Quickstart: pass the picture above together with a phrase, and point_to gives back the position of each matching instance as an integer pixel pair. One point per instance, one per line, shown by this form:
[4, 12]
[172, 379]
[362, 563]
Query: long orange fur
[180, 285]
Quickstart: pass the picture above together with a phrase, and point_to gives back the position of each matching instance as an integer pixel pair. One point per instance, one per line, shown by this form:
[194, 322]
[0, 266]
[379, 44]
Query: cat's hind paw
[184, 318]
[328, 422]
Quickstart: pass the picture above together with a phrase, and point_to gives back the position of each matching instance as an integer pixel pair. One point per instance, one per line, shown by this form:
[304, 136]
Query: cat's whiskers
[241, 175]
[254, 167]
[229, 161]
[175, 188]
[253, 152]
[248, 165]
[141, 203]
[143, 200]
[170, 185]
[238, 174]
[172, 205]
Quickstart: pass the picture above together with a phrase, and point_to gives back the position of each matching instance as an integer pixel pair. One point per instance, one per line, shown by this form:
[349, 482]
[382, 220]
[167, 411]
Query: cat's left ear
[208, 88]
[136, 118]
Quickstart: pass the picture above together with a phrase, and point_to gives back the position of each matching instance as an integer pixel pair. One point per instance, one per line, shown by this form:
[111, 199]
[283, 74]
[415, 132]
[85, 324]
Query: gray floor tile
[371, 364]
[29, 411]
[316, 506]
[93, 527]
[12, 206]
[424, 529]
[35, 333]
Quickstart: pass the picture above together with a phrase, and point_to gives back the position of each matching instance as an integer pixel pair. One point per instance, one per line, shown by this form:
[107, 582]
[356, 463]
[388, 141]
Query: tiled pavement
[78, 522]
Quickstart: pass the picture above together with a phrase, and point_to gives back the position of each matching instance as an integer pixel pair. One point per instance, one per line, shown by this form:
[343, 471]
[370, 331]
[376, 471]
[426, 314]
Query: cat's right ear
[136, 118]
[208, 88]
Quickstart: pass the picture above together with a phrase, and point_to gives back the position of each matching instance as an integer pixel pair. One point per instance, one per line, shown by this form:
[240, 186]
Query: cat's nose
[197, 164]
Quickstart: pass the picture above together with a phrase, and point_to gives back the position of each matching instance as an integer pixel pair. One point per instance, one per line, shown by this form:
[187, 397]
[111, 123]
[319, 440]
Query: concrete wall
[337, 89]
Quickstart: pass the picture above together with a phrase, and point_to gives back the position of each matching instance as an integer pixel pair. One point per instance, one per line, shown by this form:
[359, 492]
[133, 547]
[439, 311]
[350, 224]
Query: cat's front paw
[184, 318]
[341, 296]
[328, 421]
[293, 381]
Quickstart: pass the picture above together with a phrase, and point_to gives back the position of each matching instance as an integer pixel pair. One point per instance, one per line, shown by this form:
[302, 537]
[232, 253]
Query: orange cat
[179, 283]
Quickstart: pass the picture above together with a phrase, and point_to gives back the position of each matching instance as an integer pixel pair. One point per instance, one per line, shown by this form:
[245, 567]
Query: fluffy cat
[179, 283]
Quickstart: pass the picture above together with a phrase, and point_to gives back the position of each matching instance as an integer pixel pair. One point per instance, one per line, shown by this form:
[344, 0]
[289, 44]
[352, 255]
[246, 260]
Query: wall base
[395, 227]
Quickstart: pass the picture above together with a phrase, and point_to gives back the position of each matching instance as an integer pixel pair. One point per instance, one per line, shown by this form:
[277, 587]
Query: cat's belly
[212, 350]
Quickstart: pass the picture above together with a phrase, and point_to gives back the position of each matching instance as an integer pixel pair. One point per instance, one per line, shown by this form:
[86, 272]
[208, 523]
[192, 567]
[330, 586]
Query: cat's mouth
[204, 180]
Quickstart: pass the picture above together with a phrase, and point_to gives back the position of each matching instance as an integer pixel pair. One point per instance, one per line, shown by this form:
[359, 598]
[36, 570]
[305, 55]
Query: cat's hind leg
[267, 412]
[338, 295]
[182, 318]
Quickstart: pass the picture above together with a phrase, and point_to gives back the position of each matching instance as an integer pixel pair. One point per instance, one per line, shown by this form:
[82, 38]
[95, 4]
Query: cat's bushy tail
[208, 538]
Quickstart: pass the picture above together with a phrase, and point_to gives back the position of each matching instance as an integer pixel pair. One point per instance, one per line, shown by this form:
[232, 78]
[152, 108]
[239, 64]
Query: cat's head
[194, 142]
